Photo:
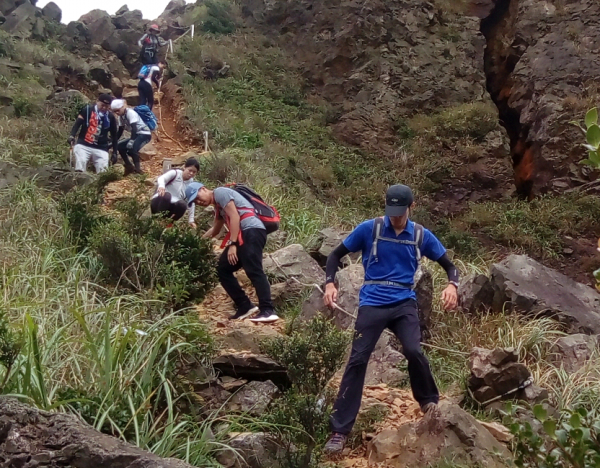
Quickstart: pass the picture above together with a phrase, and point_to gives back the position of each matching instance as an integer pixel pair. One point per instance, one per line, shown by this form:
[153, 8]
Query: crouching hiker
[141, 135]
[169, 198]
[94, 123]
[391, 248]
[243, 245]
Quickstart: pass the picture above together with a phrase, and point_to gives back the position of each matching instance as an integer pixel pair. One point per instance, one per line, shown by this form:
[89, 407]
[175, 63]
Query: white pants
[83, 154]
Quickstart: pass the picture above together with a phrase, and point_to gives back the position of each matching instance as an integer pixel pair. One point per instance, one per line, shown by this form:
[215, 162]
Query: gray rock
[31, 432]
[247, 338]
[294, 261]
[252, 367]
[475, 293]
[449, 433]
[329, 239]
[251, 450]
[69, 96]
[253, 398]
[148, 152]
[573, 351]
[22, 21]
[116, 86]
[282, 293]
[49, 177]
[100, 73]
[52, 11]
[524, 285]
[131, 96]
[99, 26]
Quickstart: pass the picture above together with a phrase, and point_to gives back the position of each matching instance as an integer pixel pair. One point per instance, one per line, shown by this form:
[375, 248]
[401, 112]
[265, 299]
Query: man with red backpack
[243, 211]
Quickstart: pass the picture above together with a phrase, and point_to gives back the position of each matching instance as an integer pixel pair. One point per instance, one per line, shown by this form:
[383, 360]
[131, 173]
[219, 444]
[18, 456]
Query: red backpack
[266, 213]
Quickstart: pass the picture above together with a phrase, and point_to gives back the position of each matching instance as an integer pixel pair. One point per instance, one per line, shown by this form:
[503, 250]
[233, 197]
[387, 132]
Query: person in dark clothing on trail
[169, 198]
[94, 123]
[140, 135]
[243, 248]
[149, 74]
[391, 248]
[150, 43]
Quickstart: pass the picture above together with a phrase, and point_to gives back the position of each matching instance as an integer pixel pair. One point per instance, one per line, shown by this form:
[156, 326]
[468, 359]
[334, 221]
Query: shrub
[10, 346]
[24, 106]
[220, 18]
[572, 440]
[312, 355]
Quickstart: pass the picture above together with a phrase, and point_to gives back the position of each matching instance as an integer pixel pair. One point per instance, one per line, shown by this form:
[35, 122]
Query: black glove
[70, 140]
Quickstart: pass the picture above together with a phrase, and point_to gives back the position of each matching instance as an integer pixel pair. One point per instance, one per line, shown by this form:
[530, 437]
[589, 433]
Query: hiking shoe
[129, 169]
[243, 313]
[267, 315]
[335, 444]
[427, 407]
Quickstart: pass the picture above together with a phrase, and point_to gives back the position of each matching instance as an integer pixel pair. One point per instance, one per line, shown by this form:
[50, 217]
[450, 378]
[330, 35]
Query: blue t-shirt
[396, 262]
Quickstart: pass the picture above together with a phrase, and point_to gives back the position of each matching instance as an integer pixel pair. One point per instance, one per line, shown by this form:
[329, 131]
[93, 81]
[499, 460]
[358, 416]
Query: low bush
[220, 18]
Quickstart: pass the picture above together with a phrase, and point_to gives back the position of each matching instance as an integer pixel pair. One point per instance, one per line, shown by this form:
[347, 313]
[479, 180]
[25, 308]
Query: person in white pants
[94, 123]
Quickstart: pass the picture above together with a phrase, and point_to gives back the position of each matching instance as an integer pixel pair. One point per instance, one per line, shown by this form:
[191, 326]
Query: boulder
[524, 285]
[294, 262]
[52, 11]
[247, 338]
[131, 96]
[448, 433]
[116, 86]
[573, 351]
[99, 72]
[70, 96]
[475, 293]
[147, 152]
[253, 398]
[252, 367]
[329, 239]
[45, 75]
[22, 21]
[282, 293]
[50, 177]
[99, 26]
[59, 439]
[251, 450]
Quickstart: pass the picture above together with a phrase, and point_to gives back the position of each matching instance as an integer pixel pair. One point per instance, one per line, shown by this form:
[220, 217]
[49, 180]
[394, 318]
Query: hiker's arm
[120, 132]
[215, 229]
[333, 262]
[114, 134]
[76, 127]
[449, 295]
[142, 39]
[161, 41]
[234, 221]
[192, 215]
[156, 78]
[165, 179]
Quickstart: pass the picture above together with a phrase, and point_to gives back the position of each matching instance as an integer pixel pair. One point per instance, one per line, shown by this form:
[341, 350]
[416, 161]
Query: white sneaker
[265, 316]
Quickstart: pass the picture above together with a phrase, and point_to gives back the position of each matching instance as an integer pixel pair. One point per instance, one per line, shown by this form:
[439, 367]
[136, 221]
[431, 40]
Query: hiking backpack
[147, 116]
[144, 72]
[376, 236]
[266, 213]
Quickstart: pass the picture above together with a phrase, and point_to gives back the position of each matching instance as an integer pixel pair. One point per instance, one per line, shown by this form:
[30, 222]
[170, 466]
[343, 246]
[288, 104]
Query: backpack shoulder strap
[419, 234]
[375, 235]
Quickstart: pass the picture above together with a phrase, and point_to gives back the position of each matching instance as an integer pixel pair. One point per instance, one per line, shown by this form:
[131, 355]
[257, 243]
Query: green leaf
[594, 157]
[593, 135]
[575, 420]
[576, 434]
[591, 118]
[561, 437]
[550, 427]
[540, 413]
[597, 276]
[587, 162]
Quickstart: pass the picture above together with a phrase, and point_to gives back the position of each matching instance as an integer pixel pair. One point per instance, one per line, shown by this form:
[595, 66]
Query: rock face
[449, 433]
[496, 375]
[294, 262]
[52, 11]
[30, 437]
[251, 367]
[522, 284]
[532, 55]
[52, 178]
[253, 398]
[475, 293]
[573, 351]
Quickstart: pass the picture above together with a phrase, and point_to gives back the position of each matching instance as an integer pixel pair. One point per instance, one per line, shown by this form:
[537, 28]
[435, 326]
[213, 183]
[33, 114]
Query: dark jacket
[94, 129]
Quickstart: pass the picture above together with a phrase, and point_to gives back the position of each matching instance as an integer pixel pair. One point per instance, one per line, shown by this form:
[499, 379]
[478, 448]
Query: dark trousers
[139, 142]
[172, 210]
[146, 93]
[403, 320]
[250, 256]
[149, 56]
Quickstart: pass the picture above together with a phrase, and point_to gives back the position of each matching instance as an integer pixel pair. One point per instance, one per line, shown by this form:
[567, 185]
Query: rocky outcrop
[540, 63]
[49, 177]
[497, 375]
[52, 11]
[251, 450]
[31, 437]
[449, 433]
[253, 398]
[521, 284]
[573, 351]
[294, 262]
[251, 367]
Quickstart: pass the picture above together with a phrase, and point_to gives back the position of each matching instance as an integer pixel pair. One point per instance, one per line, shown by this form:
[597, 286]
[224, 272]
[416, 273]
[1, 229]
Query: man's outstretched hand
[450, 297]
[330, 296]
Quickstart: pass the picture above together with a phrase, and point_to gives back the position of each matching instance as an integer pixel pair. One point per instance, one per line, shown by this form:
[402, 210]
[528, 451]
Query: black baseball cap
[397, 200]
[105, 98]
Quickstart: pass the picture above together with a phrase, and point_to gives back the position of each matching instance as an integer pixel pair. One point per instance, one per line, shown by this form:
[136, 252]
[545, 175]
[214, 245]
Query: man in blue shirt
[387, 300]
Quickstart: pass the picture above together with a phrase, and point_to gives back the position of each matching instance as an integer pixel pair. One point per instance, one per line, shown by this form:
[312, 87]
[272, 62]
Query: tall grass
[88, 351]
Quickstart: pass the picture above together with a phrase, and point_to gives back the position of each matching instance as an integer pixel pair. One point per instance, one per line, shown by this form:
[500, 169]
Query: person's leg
[122, 148]
[406, 327]
[178, 209]
[370, 323]
[251, 257]
[150, 96]
[138, 144]
[232, 287]
[100, 160]
[82, 156]
[142, 93]
[161, 204]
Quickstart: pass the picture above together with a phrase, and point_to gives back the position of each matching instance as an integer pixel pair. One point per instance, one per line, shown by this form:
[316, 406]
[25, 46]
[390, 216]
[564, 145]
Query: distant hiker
[95, 122]
[170, 195]
[149, 74]
[140, 135]
[149, 43]
[243, 245]
[391, 248]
